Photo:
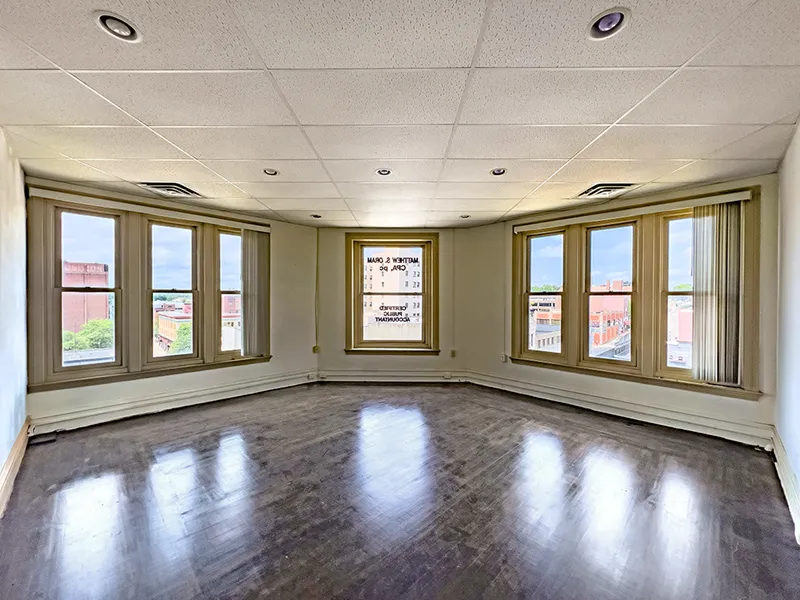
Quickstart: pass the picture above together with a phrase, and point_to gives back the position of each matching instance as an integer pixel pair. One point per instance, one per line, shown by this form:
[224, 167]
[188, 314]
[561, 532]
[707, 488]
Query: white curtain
[255, 293]
[717, 272]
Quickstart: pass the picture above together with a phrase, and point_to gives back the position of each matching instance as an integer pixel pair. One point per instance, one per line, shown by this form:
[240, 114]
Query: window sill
[162, 372]
[393, 351]
[691, 386]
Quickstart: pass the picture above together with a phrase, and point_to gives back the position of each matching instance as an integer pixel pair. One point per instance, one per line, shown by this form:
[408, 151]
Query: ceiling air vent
[604, 190]
[170, 190]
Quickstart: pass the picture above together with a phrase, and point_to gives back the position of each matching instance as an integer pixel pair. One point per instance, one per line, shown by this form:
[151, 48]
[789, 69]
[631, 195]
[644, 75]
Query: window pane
[679, 331]
[610, 327]
[87, 328]
[544, 323]
[87, 250]
[172, 258]
[681, 239]
[172, 324]
[230, 262]
[231, 322]
[611, 252]
[547, 263]
[393, 318]
[393, 269]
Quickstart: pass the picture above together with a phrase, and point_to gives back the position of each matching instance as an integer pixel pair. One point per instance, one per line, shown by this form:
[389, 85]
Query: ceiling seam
[671, 76]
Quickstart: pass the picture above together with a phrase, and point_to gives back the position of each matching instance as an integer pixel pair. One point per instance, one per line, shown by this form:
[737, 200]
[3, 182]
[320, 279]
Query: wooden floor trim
[791, 487]
[11, 467]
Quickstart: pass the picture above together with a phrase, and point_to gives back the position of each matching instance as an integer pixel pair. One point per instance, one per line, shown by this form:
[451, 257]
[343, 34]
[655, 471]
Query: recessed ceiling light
[271, 172]
[384, 172]
[316, 216]
[117, 26]
[609, 22]
[465, 216]
[498, 171]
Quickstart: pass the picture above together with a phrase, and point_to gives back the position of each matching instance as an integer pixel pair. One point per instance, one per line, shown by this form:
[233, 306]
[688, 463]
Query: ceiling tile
[155, 170]
[289, 190]
[208, 98]
[424, 141]
[215, 189]
[532, 205]
[64, 169]
[53, 98]
[389, 206]
[248, 204]
[16, 55]
[25, 148]
[305, 204]
[122, 187]
[516, 170]
[402, 170]
[722, 95]
[453, 218]
[181, 34]
[305, 215]
[769, 142]
[373, 97]
[101, 142]
[767, 34]
[789, 119]
[553, 33]
[404, 219]
[387, 191]
[484, 190]
[240, 142]
[708, 171]
[647, 142]
[577, 96]
[473, 204]
[629, 171]
[309, 34]
[326, 222]
[554, 191]
[649, 189]
[253, 170]
[521, 141]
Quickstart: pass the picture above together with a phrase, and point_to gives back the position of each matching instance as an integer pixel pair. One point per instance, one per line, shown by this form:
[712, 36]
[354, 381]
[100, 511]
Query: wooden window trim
[219, 353]
[648, 309]
[354, 270]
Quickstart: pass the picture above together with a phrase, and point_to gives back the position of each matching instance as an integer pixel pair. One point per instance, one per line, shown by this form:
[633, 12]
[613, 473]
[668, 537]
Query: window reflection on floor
[540, 493]
[88, 514]
[678, 533]
[172, 480]
[393, 471]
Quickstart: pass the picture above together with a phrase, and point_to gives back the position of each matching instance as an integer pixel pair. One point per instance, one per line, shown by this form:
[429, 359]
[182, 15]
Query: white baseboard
[393, 376]
[757, 434]
[10, 468]
[791, 486]
[92, 415]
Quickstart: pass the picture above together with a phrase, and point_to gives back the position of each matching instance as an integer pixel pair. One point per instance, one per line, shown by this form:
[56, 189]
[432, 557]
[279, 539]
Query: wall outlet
[503, 358]
[322, 376]
[315, 349]
[447, 375]
[453, 353]
[312, 376]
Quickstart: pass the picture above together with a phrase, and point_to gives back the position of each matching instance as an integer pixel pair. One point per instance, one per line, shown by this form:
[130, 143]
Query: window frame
[219, 292]
[133, 334]
[648, 306]
[55, 304]
[523, 299]
[354, 269]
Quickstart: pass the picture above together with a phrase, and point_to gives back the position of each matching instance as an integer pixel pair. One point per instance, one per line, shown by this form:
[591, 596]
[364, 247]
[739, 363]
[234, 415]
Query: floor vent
[604, 190]
[171, 190]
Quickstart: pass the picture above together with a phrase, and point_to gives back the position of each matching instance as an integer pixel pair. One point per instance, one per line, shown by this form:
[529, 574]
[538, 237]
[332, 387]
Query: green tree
[69, 341]
[683, 287]
[183, 340]
[548, 287]
[97, 333]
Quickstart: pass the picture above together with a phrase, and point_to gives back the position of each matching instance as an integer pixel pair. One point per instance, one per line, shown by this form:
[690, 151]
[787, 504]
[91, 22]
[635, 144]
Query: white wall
[293, 258]
[787, 409]
[335, 364]
[483, 257]
[13, 346]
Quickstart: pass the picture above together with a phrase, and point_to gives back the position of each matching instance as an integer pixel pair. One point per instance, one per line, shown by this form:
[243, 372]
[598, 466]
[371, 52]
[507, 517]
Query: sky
[86, 238]
[611, 255]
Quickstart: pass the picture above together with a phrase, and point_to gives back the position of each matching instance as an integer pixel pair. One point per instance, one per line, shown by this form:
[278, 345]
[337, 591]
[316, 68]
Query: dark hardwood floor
[393, 492]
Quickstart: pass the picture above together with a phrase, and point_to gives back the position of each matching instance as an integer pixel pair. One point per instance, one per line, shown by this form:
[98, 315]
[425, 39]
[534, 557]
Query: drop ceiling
[440, 92]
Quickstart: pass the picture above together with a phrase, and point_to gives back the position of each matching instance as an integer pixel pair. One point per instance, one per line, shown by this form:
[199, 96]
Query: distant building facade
[78, 308]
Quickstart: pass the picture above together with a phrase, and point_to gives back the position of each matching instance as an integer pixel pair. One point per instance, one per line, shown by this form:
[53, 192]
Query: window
[230, 295]
[609, 292]
[392, 298]
[172, 290]
[88, 289]
[119, 290]
[659, 294]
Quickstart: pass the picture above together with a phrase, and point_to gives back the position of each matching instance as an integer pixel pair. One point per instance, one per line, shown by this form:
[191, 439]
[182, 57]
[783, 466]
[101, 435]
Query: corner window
[392, 297]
